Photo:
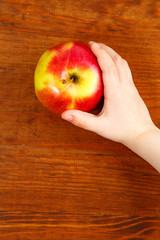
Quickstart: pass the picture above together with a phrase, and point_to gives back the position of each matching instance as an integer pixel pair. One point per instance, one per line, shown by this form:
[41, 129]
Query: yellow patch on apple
[41, 76]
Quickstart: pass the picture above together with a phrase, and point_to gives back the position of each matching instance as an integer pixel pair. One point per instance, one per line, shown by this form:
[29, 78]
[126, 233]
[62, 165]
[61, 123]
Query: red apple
[68, 77]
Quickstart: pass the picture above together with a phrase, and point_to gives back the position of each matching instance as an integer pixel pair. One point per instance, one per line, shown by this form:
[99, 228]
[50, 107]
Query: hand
[124, 116]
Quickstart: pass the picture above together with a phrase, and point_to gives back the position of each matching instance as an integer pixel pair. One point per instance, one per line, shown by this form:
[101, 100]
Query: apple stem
[64, 81]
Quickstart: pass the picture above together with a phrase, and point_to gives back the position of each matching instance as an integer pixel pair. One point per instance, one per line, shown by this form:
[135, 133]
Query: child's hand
[124, 115]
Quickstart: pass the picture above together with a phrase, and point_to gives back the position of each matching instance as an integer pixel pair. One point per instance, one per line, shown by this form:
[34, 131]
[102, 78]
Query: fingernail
[68, 118]
[94, 43]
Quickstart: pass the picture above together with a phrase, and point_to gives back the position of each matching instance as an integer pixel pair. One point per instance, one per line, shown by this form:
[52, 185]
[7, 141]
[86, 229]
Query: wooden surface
[58, 181]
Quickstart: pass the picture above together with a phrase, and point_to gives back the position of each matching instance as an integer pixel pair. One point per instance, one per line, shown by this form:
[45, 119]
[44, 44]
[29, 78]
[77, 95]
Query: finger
[121, 64]
[82, 119]
[109, 70]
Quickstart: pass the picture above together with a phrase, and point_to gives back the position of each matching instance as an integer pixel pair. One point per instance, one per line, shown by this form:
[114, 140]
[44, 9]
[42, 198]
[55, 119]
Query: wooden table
[58, 181]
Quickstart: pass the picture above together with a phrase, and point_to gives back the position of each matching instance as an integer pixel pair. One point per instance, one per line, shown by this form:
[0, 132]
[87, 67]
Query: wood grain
[58, 181]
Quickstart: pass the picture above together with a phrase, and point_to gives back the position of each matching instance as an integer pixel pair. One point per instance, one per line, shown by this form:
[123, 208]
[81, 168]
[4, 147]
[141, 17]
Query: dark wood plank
[58, 181]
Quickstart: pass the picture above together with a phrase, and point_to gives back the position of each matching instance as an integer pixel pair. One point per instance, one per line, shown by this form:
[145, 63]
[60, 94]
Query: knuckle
[103, 51]
[117, 59]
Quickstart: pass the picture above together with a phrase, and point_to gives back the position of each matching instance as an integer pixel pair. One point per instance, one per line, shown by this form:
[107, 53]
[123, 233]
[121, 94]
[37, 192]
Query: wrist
[138, 135]
[146, 145]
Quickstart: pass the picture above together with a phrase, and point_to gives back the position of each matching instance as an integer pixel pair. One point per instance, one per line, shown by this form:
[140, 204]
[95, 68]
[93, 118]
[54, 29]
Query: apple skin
[68, 77]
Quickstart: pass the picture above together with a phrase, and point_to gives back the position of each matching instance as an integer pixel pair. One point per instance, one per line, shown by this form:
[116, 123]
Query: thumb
[81, 119]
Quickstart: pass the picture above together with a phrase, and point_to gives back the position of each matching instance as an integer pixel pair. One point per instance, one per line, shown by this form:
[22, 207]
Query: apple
[68, 77]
